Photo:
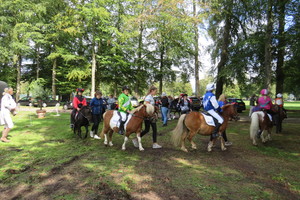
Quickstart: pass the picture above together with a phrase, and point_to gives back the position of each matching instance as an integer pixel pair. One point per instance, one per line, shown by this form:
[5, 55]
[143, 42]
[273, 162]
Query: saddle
[209, 119]
[115, 120]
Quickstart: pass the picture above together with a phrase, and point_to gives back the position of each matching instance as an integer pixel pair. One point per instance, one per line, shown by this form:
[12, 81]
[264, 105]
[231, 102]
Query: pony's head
[230, 110]
[87, 112]
[146, 110]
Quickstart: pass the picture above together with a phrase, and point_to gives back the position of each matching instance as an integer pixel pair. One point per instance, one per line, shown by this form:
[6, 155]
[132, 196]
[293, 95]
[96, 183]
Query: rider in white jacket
[8, 105]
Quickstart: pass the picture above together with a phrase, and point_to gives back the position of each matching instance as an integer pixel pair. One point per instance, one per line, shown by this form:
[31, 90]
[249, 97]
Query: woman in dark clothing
[185, 104]
[97, 105]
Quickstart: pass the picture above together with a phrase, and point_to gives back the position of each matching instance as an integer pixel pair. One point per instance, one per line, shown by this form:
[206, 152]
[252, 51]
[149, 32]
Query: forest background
[60, 45]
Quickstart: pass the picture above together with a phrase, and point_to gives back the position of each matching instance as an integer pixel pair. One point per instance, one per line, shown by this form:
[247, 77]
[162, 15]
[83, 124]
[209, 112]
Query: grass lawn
[44, 160]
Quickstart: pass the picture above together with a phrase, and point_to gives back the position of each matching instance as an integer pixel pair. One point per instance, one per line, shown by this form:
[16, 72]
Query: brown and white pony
[260, 121]
[190, 124]
[134, 124]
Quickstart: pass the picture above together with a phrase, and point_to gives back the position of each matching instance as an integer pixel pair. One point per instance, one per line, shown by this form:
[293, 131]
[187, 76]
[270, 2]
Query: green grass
[46, 161]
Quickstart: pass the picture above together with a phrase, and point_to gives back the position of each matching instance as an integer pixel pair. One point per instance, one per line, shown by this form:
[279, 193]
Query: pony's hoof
[111, 144]
[209, 149]
[194, 148]
[142, 149]
[123, 148]
[224, 149]
[185, 150]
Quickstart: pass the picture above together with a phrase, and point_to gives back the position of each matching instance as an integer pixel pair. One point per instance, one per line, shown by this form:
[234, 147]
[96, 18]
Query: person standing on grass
[8, 105]
[222, 101]
[97, 105]
[111, 102]
[149, 122]
[164, 108]
[185, 104]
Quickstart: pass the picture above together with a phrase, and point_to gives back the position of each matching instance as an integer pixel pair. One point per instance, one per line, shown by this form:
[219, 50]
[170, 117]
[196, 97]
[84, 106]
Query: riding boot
[121, 128]
[216, 130]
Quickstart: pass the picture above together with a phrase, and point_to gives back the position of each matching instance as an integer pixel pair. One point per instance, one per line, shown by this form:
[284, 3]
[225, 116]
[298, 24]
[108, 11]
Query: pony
[83, 118]
[190, 124]
[260, 122]
[134, 125]
[279, 116]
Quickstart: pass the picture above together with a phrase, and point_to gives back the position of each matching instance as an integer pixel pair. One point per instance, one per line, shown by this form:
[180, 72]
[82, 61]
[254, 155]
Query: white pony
[260, 122]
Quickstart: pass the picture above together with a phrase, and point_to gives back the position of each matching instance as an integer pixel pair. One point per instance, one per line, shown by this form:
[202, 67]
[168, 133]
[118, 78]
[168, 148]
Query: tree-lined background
[105, 44]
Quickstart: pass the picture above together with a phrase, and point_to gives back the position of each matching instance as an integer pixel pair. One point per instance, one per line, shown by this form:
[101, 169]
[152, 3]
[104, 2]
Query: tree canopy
[105, 44]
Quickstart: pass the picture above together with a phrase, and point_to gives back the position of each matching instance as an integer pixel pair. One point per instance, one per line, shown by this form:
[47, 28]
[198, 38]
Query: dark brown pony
[278, 117]
[190, 124]
[134, 125]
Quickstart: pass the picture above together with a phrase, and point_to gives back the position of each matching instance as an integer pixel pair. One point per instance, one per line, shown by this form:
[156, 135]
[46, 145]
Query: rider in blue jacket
[211, 105]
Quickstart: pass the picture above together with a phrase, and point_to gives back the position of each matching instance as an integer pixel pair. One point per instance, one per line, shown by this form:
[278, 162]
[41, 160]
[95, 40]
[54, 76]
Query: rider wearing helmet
[211, 105]
[279, 100]
[124, 107]
[265, 102]
[78, 102]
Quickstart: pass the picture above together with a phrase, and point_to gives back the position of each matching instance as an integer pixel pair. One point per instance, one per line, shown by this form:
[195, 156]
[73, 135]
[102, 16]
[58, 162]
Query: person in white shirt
[149, 122]
[8, 105]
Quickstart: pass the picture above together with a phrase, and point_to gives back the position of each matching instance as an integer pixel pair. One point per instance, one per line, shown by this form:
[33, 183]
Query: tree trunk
[54, 78]
[281, 48]
[224, 53]
[139, 59]
[18, 62]
[268, 45]
[197, 83]
[37, 63]
[162, 52]
[93, 70]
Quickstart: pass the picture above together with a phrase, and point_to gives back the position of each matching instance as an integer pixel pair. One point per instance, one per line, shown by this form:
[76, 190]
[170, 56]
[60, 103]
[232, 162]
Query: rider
[279, 102]
[124, 107]
[265, 102]
[78, 102]
[210, 104]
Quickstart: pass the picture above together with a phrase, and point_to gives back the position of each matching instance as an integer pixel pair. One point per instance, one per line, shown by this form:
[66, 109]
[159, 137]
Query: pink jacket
[265, 102]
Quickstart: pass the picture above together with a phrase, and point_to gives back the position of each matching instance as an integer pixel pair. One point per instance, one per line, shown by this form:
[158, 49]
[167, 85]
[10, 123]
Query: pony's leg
[124, 144]
[222, 144]
[262, 137]
[210, 145]
[110, 138]
[190, 138]
[140, 142]
[105, 139]
[254, 141]
[183, 148]
[269, 135]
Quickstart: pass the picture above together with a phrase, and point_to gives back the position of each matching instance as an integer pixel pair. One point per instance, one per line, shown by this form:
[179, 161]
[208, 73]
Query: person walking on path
[150, 122]
[222, 101]
[8, 105]
[97, 105]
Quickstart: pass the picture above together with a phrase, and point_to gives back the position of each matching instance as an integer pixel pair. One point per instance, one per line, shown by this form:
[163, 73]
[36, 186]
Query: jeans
[164, 114]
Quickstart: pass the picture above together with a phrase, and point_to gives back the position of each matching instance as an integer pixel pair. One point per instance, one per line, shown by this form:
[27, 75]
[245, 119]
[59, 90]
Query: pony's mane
[137, 109]
[150, 109]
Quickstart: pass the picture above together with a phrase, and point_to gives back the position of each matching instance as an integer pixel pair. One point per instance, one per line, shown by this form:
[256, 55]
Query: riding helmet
[210, 87]
[79, 90]
[264, 92]
[125, 88]
[279, 95]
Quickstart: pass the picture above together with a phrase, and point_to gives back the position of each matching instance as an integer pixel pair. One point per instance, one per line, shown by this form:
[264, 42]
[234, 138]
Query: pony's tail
[178, 131]
[102, 132]
[254, 126]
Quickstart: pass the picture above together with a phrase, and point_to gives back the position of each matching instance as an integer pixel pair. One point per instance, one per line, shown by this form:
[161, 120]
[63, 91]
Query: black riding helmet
[125, 88]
